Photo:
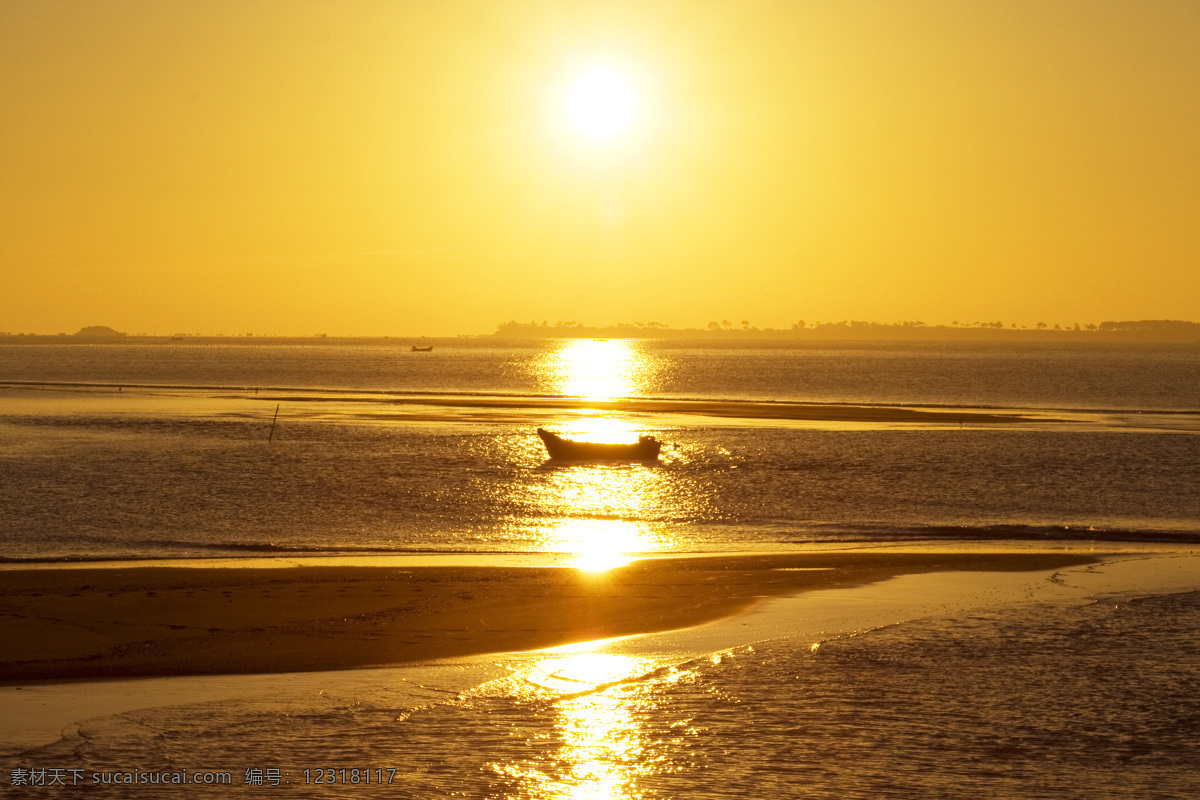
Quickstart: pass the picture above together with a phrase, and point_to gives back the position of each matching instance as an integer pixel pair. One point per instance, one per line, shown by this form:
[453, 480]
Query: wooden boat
[416, 349]
[561, 449]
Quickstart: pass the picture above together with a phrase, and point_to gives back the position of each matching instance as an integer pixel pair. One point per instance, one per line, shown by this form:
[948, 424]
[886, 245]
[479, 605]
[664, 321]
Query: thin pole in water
[272, 434]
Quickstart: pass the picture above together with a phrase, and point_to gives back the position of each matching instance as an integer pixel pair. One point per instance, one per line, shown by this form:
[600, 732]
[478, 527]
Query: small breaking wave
[1001, 532]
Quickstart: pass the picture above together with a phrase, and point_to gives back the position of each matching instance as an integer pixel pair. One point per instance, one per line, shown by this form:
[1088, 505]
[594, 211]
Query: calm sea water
[152, 449]
[168, 449]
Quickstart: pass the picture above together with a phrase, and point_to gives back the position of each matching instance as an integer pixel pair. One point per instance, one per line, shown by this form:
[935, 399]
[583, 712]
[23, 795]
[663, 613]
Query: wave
[832, 534]
[156, 550]
[884, 533]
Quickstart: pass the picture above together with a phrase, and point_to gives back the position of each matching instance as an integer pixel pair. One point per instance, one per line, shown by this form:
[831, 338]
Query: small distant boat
[416, 349]
[561, 449]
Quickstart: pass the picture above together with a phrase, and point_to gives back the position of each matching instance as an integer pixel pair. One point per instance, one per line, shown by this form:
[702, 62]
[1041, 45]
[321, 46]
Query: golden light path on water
[597, 505]
[600, 544]
[596, 369]
[603, 705]
[602, 746]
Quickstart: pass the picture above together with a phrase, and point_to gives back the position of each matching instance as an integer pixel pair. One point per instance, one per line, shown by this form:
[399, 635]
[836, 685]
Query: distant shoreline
[1164, 331]
[1184, 333]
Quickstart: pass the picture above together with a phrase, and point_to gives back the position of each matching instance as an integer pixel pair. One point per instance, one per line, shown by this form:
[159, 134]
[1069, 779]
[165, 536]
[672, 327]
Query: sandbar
[83, 623]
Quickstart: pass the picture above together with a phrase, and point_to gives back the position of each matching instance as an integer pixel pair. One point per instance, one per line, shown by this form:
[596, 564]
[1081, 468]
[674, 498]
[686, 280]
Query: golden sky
[392, 168]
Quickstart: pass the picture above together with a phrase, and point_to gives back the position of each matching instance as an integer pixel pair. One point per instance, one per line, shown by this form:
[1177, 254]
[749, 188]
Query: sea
[140, 449]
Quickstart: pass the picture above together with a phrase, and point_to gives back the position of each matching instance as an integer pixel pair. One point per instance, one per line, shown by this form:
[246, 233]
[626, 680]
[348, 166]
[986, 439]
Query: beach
[70, 624]
[405, 664]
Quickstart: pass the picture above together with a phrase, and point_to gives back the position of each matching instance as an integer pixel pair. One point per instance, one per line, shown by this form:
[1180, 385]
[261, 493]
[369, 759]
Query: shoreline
[41, 712]
[80, 623]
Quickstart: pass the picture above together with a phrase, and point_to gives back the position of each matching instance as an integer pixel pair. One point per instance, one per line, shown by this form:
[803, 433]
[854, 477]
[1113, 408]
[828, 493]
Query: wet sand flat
[761, 410]
[483, 407]
[79, 623]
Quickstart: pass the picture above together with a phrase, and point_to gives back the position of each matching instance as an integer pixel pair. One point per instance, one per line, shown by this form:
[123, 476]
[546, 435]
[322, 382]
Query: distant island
[1128, 331]
[99, 331]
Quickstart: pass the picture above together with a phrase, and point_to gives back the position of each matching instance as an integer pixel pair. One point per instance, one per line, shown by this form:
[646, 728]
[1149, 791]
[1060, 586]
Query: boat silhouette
[560, 449]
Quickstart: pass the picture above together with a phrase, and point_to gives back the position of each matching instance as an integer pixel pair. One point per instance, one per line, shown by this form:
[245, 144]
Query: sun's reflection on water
[600, 544]
[604, 723]
[603, 714]
[598, 511]
[596, 369]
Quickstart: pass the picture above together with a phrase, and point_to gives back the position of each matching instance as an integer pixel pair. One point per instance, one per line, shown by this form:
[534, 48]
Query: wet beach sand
[460, 634]
[77, 623]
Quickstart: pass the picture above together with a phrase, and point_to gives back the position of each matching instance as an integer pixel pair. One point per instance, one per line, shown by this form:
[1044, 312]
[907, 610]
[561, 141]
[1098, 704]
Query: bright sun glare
[601, 103]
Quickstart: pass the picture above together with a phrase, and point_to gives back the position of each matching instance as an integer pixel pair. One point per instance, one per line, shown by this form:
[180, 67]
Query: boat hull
[559, 449]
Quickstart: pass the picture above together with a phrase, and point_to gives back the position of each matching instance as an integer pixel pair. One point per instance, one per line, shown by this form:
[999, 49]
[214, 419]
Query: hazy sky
[373, 168]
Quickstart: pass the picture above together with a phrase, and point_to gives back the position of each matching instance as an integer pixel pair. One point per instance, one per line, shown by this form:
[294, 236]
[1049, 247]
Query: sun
[601, 103]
